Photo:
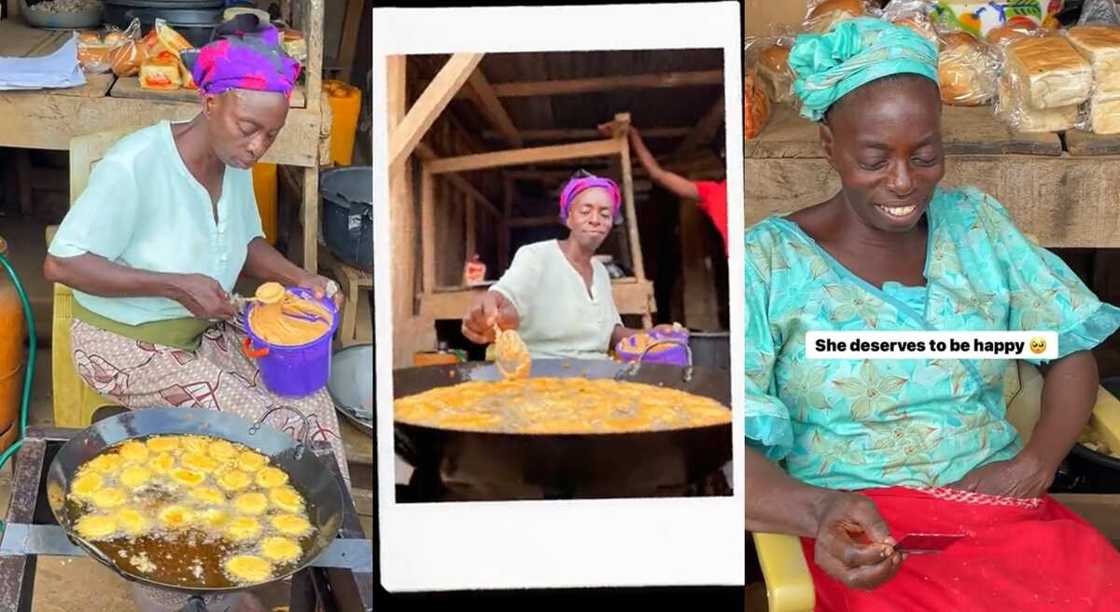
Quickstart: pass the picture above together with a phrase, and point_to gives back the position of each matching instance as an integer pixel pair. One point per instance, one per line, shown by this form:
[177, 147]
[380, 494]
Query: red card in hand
[926, 543]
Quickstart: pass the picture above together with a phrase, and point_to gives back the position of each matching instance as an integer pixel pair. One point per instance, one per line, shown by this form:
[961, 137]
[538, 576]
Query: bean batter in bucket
[289, 332]
[285, 319]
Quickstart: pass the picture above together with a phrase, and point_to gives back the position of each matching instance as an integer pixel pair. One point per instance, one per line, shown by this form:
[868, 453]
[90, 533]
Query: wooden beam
[704, 131]
[348, 44]
[548, 174]
[425, 153]
[623, 144]
[505, 239]
[471, 238]
[312, 24]
[609, 83]
[311, 220]
[588, 134]
[492, 108]
[428, 229]
[402, 220]
[431, 103]
[519, 157]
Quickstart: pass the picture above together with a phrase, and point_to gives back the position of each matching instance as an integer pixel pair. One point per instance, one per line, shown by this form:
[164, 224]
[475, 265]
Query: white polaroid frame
[577, 543]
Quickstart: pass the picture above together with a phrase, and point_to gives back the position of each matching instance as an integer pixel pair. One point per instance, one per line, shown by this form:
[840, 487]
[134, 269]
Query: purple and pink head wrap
[245, 54]
[584, 181]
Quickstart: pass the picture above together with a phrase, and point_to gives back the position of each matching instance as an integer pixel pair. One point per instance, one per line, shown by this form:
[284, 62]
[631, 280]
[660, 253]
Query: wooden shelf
[129, 87]
[1064, 196]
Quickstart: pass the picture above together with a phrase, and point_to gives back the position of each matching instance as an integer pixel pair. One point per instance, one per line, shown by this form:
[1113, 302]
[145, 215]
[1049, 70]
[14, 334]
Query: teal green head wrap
[855, 52]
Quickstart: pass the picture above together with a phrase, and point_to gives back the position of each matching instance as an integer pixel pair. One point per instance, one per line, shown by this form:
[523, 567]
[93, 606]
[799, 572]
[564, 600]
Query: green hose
[29, 372]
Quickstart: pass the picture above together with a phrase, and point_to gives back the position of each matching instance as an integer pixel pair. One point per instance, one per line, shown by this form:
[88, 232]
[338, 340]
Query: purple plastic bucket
[671, 354]
[293, 371]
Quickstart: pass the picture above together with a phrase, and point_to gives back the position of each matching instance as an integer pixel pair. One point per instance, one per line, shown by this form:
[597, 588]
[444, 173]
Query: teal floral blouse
[857, 424]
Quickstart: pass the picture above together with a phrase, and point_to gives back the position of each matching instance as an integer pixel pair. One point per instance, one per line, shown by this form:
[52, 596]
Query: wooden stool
[351, 282]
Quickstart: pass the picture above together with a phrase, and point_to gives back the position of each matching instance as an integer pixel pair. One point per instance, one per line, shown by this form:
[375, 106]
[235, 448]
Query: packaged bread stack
[824, 14]
[1100, 46]
[966, 70]
[1045, 80]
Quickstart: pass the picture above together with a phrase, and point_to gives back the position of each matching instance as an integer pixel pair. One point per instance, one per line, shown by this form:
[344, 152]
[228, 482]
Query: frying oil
[192, 554]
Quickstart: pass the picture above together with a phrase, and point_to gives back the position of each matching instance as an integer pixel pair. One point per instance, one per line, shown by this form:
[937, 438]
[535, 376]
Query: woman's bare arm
[777, 502]
[1069, 392]
[201, 295]
[675, 183]
[96, 275]
[264, 262]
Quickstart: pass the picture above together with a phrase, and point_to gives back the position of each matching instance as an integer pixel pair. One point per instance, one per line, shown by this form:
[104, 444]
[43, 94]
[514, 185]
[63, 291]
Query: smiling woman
[558, 298]
[873, 450]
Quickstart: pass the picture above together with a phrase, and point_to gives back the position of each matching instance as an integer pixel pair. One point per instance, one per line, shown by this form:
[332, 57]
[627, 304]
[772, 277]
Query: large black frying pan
[305, 472]
[454, 465]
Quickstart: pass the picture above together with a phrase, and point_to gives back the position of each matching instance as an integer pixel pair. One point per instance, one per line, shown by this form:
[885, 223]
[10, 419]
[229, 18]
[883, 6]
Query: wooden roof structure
[491, 137]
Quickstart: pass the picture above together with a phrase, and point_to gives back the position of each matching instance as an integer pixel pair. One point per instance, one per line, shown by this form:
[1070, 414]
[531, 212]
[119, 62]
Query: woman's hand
[853, 544]
[322, 287]
[203, 297]
[666, 329]
[489, 309]
[1022, 476]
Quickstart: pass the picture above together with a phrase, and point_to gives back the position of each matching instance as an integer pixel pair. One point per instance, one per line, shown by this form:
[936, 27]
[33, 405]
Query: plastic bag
[174, 43]
[1021, 117]
[1049, 73]
[128, 51]
[1100, 115]
[913, 14]
[822, 15]
[294, 44]
[1099, 12]
[769, 55]
[1100, 46]
[967, 70]
[93, 53]
[756, 106]
[161, 72]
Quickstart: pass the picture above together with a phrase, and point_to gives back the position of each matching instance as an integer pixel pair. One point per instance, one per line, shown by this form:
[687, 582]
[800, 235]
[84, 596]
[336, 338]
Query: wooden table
[48, 119]
[1062, 191]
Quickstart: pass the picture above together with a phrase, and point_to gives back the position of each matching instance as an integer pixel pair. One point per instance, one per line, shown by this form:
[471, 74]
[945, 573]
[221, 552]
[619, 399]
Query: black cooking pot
[454, 465]
[305, 470]
[348, 214]
[194, 19]
[711, 349]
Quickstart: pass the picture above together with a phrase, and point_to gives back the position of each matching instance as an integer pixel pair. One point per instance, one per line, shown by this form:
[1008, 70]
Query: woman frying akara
[154, 245]
[554, 294]
[851, 455]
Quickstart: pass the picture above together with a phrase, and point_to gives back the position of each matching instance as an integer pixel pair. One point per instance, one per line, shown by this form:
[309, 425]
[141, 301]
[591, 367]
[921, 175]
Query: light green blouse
[559, 318]
[857, 424]
[143, 209]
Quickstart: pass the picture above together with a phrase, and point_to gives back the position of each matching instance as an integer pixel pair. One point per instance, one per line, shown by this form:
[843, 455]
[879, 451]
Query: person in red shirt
[709, 196]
